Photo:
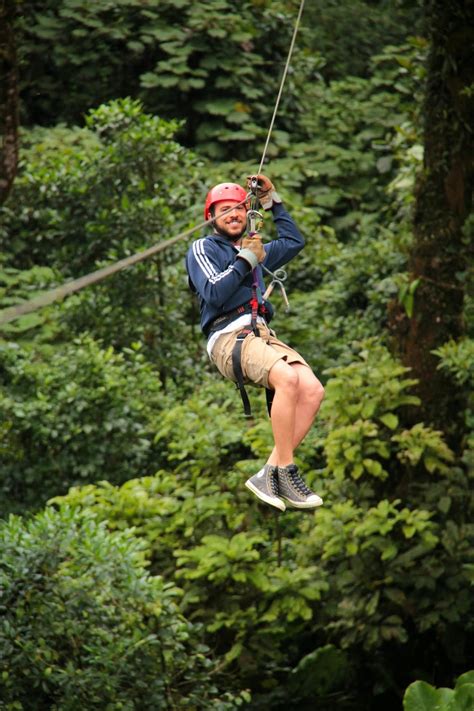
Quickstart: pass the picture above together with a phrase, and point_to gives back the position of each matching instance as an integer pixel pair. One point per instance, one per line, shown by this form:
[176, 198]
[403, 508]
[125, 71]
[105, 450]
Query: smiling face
[234, 223]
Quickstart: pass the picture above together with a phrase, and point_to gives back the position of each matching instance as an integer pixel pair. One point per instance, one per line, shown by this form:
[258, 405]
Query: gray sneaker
[292, 488]
[264, 484]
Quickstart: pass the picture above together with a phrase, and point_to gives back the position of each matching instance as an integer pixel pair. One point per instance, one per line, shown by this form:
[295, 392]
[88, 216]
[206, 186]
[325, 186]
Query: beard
[231, 236]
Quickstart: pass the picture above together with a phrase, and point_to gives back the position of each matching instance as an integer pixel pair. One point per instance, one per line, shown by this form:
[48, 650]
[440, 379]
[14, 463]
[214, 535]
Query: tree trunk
[443, 198]
[8, 99]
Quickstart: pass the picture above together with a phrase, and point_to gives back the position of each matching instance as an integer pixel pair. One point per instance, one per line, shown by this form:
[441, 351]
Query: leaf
[389, 552]
[368, 409]
[135, 46]
[421, 696]
[234, 652]
[444, 504]
[319, 672]
[463, 699]
[352, 453]
[445, 696]
[466, 678]
[384, 164]
[390, 420]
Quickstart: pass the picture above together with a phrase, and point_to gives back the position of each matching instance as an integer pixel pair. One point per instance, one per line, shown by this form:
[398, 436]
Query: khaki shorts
[259, 355]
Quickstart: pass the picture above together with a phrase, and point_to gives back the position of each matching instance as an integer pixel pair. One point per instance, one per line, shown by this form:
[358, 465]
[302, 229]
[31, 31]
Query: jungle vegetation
[136, 571]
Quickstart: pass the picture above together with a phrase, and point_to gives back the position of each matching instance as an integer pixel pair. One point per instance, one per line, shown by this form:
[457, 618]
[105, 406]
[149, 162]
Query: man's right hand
[266, 192]
[252, 250]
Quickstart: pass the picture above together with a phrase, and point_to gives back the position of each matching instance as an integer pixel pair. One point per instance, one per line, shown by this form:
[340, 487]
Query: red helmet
[223, 191]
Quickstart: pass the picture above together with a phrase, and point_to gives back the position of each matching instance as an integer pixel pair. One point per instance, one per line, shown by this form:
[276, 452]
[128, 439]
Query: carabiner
[279, 276]
[252, 217]
[285, 297]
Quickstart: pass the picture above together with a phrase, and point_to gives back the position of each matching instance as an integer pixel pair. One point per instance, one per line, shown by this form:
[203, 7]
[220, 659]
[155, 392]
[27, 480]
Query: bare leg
[284, 380]
[310, 394]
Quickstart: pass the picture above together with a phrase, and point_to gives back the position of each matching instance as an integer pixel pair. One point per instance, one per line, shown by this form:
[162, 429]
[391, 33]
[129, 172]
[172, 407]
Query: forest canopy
[136, 571]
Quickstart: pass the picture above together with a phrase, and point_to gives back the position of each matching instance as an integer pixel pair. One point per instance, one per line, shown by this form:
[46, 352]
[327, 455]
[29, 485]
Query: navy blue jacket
[222, 281]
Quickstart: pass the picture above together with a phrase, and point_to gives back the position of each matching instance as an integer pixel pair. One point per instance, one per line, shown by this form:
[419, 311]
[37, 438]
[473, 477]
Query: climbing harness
[257, 305]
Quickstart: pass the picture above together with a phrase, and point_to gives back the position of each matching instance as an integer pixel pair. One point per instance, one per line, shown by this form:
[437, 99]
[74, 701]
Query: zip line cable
[285, 72]
[71, 287]
[60, 292]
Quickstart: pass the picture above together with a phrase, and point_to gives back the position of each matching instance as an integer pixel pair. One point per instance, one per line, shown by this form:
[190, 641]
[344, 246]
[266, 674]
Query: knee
[290, 380]
[314, 392]
[283, 377]
[319, 393]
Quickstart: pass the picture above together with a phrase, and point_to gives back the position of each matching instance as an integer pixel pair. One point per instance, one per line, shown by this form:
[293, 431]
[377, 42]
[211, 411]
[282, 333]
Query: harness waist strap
[225, 319]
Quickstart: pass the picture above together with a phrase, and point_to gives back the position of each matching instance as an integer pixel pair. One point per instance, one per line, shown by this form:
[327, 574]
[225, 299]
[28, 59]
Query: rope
[285, 72]
[70, 287]
[60, 292]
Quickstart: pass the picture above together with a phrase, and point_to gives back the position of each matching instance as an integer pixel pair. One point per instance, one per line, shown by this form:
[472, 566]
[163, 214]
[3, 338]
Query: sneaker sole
[303, 504]
[272, 501]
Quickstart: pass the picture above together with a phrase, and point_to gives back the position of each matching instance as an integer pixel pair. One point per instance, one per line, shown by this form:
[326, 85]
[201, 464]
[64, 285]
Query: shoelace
[274, 481]
[298, 483]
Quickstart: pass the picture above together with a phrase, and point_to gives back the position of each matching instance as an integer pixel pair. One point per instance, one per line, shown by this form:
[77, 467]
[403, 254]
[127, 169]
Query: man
[224, 270]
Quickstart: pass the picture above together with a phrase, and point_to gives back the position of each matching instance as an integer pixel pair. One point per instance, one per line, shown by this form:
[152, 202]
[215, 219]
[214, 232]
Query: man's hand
[266, 192]
[252, 250]
[254, 243]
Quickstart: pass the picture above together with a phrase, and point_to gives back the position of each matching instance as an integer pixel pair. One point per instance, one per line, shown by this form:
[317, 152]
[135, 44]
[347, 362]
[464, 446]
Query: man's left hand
[254, 245]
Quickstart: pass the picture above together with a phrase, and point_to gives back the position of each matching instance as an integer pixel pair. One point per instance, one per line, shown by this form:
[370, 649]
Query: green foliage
[388, 533]
[347, 303]
[389, 552]
[406, 295]
[458, 359]
[98, 52]
[231, 580]
[97, 193]
[319, 673]
[361, 405]
[214, 64]
[92, 196]
[308, 609]
[74, 414]
[82, 623]
[21, 285]
[351, 130]
[363, 29]
[203, 444]
[163, 511]
[421, 696]
[382, 382]
[255, 600]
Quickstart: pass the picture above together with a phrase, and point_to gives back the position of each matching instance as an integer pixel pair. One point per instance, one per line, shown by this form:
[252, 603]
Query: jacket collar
[221, 240]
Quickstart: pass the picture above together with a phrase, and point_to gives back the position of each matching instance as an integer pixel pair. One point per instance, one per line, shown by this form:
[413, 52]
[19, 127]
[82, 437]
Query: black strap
[222, 321]
[237, 366]
[239, 376]
[269, 394]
